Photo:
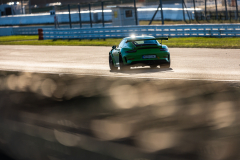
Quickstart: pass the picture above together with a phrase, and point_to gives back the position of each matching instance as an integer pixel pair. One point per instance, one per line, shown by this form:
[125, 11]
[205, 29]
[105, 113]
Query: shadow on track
[143, 70]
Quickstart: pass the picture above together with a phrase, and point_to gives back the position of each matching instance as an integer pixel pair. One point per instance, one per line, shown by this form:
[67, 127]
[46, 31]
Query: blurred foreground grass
[196, 42]
[113, 118]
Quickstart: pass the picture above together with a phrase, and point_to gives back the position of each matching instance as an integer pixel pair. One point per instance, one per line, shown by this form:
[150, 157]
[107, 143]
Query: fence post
[90, 15]
[216, 9]
[162, 13]
[22, 6]
[135, 9]
[236, 9]
[102, 14]
[69, 12]
[226, 12]
[80, 18]
[154, 15]
[205, 9]
[194, 10]
[183, 10]
[29, 5]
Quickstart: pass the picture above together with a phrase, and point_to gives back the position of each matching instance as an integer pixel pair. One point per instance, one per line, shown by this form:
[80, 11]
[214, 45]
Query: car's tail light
[163, 49]
[131, 51]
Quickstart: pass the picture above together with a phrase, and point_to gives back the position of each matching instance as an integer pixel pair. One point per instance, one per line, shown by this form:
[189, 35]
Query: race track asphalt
[186, 63]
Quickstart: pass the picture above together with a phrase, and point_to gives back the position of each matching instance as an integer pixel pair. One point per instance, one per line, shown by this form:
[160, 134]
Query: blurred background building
[38, 12]
[38, 6]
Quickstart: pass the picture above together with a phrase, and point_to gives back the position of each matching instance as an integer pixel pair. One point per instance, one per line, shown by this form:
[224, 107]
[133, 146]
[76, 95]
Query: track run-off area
[186, 63]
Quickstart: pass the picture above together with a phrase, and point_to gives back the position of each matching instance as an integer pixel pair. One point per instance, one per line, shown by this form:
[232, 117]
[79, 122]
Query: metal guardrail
[25, 31]
[213, 30]
[33, 30]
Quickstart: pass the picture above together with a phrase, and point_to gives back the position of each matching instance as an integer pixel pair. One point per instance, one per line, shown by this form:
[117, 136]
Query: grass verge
[17, 38]
[196, 42]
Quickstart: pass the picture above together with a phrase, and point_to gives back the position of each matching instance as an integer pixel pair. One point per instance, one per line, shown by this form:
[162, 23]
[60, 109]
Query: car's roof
[139, 37]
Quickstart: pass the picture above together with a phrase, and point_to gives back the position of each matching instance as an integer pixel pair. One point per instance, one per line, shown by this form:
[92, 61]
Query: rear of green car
[145, 53]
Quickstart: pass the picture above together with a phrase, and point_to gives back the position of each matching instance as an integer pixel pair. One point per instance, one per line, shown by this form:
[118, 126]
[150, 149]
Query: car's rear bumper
[148, 62]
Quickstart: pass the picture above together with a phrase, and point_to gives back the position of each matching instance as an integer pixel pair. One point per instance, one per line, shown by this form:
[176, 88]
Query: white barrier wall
[64, 17]
[168, 15]
[6, 31]
[47, 18]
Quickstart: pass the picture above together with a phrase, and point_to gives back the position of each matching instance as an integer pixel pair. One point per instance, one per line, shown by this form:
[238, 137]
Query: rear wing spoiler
[160, 38]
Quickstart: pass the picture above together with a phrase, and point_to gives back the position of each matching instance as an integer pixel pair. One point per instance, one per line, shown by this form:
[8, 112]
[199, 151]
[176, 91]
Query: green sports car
[139, 51]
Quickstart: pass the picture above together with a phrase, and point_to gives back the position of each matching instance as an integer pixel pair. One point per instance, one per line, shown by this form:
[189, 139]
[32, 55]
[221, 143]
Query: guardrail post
[40, 34]
[90, 14]
[135, 9]
[80, 18]
[69, 12]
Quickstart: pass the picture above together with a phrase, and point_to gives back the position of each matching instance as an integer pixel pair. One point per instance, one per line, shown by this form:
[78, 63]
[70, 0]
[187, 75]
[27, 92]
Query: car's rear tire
[153, 66]
[166, 65]
[122, 66]
[111, 65]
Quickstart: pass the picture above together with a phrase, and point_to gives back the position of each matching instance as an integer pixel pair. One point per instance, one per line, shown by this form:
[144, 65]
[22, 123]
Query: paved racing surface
[187, 63]
[106, 117]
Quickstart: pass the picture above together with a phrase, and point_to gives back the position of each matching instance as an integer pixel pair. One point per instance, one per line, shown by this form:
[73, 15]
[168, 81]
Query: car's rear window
[145, 42]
